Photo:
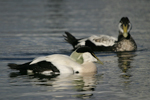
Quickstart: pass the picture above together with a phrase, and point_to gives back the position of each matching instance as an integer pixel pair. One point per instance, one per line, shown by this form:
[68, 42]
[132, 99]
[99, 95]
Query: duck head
[84, 54]
[124, 26]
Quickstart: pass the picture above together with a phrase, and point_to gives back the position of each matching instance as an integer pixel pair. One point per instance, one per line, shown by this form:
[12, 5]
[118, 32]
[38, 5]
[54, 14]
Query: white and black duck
[80, 61]
[125, 42]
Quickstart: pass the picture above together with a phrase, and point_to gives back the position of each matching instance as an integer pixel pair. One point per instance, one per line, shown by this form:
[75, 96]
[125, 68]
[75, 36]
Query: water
[32, 28]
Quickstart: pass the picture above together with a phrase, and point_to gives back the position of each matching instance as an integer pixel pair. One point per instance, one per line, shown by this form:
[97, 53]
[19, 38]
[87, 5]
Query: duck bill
[98, 61]
[125, 34]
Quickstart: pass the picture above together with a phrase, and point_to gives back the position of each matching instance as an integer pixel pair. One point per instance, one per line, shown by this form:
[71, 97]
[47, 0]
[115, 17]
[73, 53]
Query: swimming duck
[80, 61]
[125, 42]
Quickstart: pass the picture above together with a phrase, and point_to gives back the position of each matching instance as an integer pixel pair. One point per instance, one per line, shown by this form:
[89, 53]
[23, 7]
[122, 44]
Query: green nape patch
[77, 57]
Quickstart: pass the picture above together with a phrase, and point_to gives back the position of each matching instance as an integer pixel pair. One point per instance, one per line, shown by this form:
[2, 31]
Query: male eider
[107, 43]
[80, 61]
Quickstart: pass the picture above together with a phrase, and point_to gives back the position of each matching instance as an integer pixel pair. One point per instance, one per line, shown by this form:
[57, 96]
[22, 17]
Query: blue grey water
[32, 28]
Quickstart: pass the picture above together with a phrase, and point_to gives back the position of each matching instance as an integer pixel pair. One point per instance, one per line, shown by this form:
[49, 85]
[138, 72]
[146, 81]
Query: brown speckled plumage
[125, 44]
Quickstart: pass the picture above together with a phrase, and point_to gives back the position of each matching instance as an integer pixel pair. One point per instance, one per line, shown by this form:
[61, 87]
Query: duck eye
[129, 27]
[121, 25]
[77, 72]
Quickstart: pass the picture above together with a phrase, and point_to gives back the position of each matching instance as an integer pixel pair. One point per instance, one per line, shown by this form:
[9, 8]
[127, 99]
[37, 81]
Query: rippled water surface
[32, 28]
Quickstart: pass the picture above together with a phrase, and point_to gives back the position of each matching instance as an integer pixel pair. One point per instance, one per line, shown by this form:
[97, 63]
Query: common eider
[125, 42]
[80, 61]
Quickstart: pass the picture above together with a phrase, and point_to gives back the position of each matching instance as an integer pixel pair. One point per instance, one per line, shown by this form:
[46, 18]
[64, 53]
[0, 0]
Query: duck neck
[121, 37]
[88, 67]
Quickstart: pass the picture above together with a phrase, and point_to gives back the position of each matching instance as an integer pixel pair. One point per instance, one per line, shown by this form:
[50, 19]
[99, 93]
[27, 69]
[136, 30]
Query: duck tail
[19, 66]
[13, 66]
[70, 39]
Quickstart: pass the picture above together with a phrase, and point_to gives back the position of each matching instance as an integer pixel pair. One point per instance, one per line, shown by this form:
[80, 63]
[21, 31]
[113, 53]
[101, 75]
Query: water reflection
[124, 62]
[81, 85]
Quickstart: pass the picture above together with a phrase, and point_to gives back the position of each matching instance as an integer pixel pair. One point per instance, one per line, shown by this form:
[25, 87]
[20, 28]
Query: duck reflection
[83, 84]
[86, 82]
[124, 62]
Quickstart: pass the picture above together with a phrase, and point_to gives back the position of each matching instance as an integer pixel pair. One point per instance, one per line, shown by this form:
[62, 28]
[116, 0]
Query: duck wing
[38, 67]
[103, 40]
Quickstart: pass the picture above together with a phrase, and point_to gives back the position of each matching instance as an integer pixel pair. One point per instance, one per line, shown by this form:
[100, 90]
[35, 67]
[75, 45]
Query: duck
[80, 61]
[124, 42]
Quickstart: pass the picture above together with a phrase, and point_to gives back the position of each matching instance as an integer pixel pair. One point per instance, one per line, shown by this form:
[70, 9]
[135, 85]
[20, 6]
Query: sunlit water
[32, 28]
